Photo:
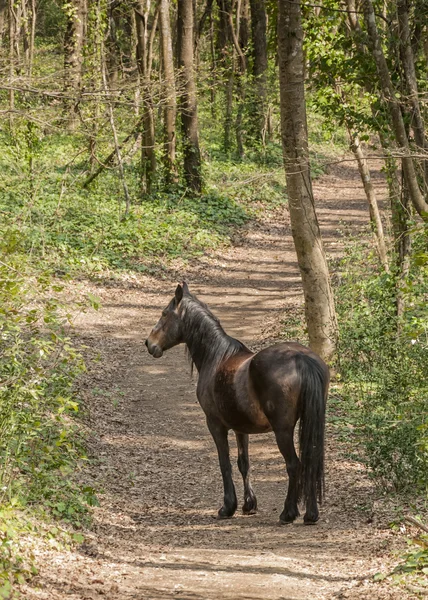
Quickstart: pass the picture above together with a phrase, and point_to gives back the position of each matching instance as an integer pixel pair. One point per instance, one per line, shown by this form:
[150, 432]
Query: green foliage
[382, 360]
[40, 445]
[77, 230]
[39, 442]
[416, 560]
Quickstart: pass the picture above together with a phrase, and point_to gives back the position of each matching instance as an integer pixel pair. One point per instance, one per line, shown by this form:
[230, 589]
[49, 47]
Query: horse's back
[276, 375]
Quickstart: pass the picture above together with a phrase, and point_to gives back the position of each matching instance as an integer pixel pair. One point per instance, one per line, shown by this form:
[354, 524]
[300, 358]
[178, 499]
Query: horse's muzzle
[153, 349]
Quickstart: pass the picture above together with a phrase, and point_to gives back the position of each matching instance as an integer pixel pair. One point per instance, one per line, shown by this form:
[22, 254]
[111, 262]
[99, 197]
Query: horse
[250, 393]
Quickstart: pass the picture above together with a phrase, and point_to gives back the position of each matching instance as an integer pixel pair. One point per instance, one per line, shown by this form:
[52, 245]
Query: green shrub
[39, 441]
[382, 360]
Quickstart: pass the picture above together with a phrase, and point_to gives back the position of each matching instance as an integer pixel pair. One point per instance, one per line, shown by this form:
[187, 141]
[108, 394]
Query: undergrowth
[382, 362]
[41, 446]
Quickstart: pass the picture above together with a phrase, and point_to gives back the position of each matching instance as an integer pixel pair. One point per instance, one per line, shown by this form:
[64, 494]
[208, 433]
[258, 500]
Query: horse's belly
[242, 414]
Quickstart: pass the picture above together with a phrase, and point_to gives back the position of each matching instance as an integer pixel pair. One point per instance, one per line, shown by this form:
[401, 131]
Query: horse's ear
[178, 294]
[186, 288]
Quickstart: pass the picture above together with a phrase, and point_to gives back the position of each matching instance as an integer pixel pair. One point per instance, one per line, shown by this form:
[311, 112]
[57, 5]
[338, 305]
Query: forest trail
[154, 537]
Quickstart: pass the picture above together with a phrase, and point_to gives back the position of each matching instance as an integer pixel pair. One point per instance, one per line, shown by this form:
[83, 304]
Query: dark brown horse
[252, 393]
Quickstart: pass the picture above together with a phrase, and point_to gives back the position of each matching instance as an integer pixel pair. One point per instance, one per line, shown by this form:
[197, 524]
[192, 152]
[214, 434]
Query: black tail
[314, 380]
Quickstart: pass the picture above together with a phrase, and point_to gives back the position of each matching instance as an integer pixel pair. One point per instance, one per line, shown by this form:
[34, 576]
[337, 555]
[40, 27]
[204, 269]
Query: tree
[319, 302]
[144, 60]
[394, 108]
[75, 12]
[408, 63]
[170, 111]
[188, 104]
[260, 65]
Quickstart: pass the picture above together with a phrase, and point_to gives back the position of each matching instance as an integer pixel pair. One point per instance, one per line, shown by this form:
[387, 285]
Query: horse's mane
[205, 337]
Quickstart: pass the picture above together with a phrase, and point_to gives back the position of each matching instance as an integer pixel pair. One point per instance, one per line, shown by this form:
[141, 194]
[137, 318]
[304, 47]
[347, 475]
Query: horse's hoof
[310, 520]
[250, 506]
[249, 511]
[224, 513]
[288, 518]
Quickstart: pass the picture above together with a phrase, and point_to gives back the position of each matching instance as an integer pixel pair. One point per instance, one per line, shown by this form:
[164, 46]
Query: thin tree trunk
[188, 101]
[170, 93]
[3, 20]
[260, 65]
[404, 244]
[32, 39]
[408, 62]
[392, 176]
[240, 72]
[25, 33]
[144, 62]
[213, 69]
[73, 57]
[319, 302]
[375, 220]
[227, 143]
[115, 138]
[12, 29]
[415, 193]
[207, 14]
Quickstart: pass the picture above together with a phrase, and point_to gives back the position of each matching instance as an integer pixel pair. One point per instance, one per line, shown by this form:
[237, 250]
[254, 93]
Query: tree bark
[375, 220]
[188, 101]
[260, 65]
[240, 73]
[394, 108]
[73, 56]
[170, 111]
[3, 20]
[319, 302]
[408, 63]
[12, 30]
[115, 137]
[144, 62]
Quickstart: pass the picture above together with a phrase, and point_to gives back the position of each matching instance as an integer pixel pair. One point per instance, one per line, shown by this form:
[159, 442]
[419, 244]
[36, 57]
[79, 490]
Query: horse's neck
[207, 346]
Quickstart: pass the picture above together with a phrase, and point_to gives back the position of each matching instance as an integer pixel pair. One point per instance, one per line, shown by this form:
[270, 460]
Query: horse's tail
[314, 380]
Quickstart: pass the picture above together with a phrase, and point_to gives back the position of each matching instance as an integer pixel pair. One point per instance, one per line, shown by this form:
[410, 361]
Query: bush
[382, 360]
[39, 441]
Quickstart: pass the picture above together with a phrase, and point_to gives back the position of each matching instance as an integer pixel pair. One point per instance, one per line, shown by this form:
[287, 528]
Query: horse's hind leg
[284, 439]
[250, 500]
[219, 433]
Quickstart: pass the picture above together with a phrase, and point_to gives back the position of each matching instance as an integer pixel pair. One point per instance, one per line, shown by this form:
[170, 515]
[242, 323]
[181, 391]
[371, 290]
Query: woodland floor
[153, 536]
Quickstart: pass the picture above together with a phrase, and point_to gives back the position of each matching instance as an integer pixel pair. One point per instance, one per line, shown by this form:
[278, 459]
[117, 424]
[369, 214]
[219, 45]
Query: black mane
[206, 341]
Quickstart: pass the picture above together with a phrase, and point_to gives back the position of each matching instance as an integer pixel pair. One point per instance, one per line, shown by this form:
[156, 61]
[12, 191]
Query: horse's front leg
[219, 433]
[250, 500]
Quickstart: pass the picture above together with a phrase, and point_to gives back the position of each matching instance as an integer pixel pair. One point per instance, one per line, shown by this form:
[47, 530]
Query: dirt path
[154, 535]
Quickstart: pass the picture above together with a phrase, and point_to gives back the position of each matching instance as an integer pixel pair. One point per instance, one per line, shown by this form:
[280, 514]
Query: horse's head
[168, 330]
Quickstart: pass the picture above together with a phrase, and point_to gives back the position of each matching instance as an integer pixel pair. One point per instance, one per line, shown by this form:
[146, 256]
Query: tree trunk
[319, 302]
[32, 38]
[169, 87]
[112, 48]
[393, 105]
[408, 63]
[12, 30]
[240, 73]
[73, 56]
[114, 132]
[401, 216]
[260, 65]
[375, 219]
[188, 102]
[3, 20]
[144, 62]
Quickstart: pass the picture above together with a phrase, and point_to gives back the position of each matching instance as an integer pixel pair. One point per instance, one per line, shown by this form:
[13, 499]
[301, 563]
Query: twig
[416, 523]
